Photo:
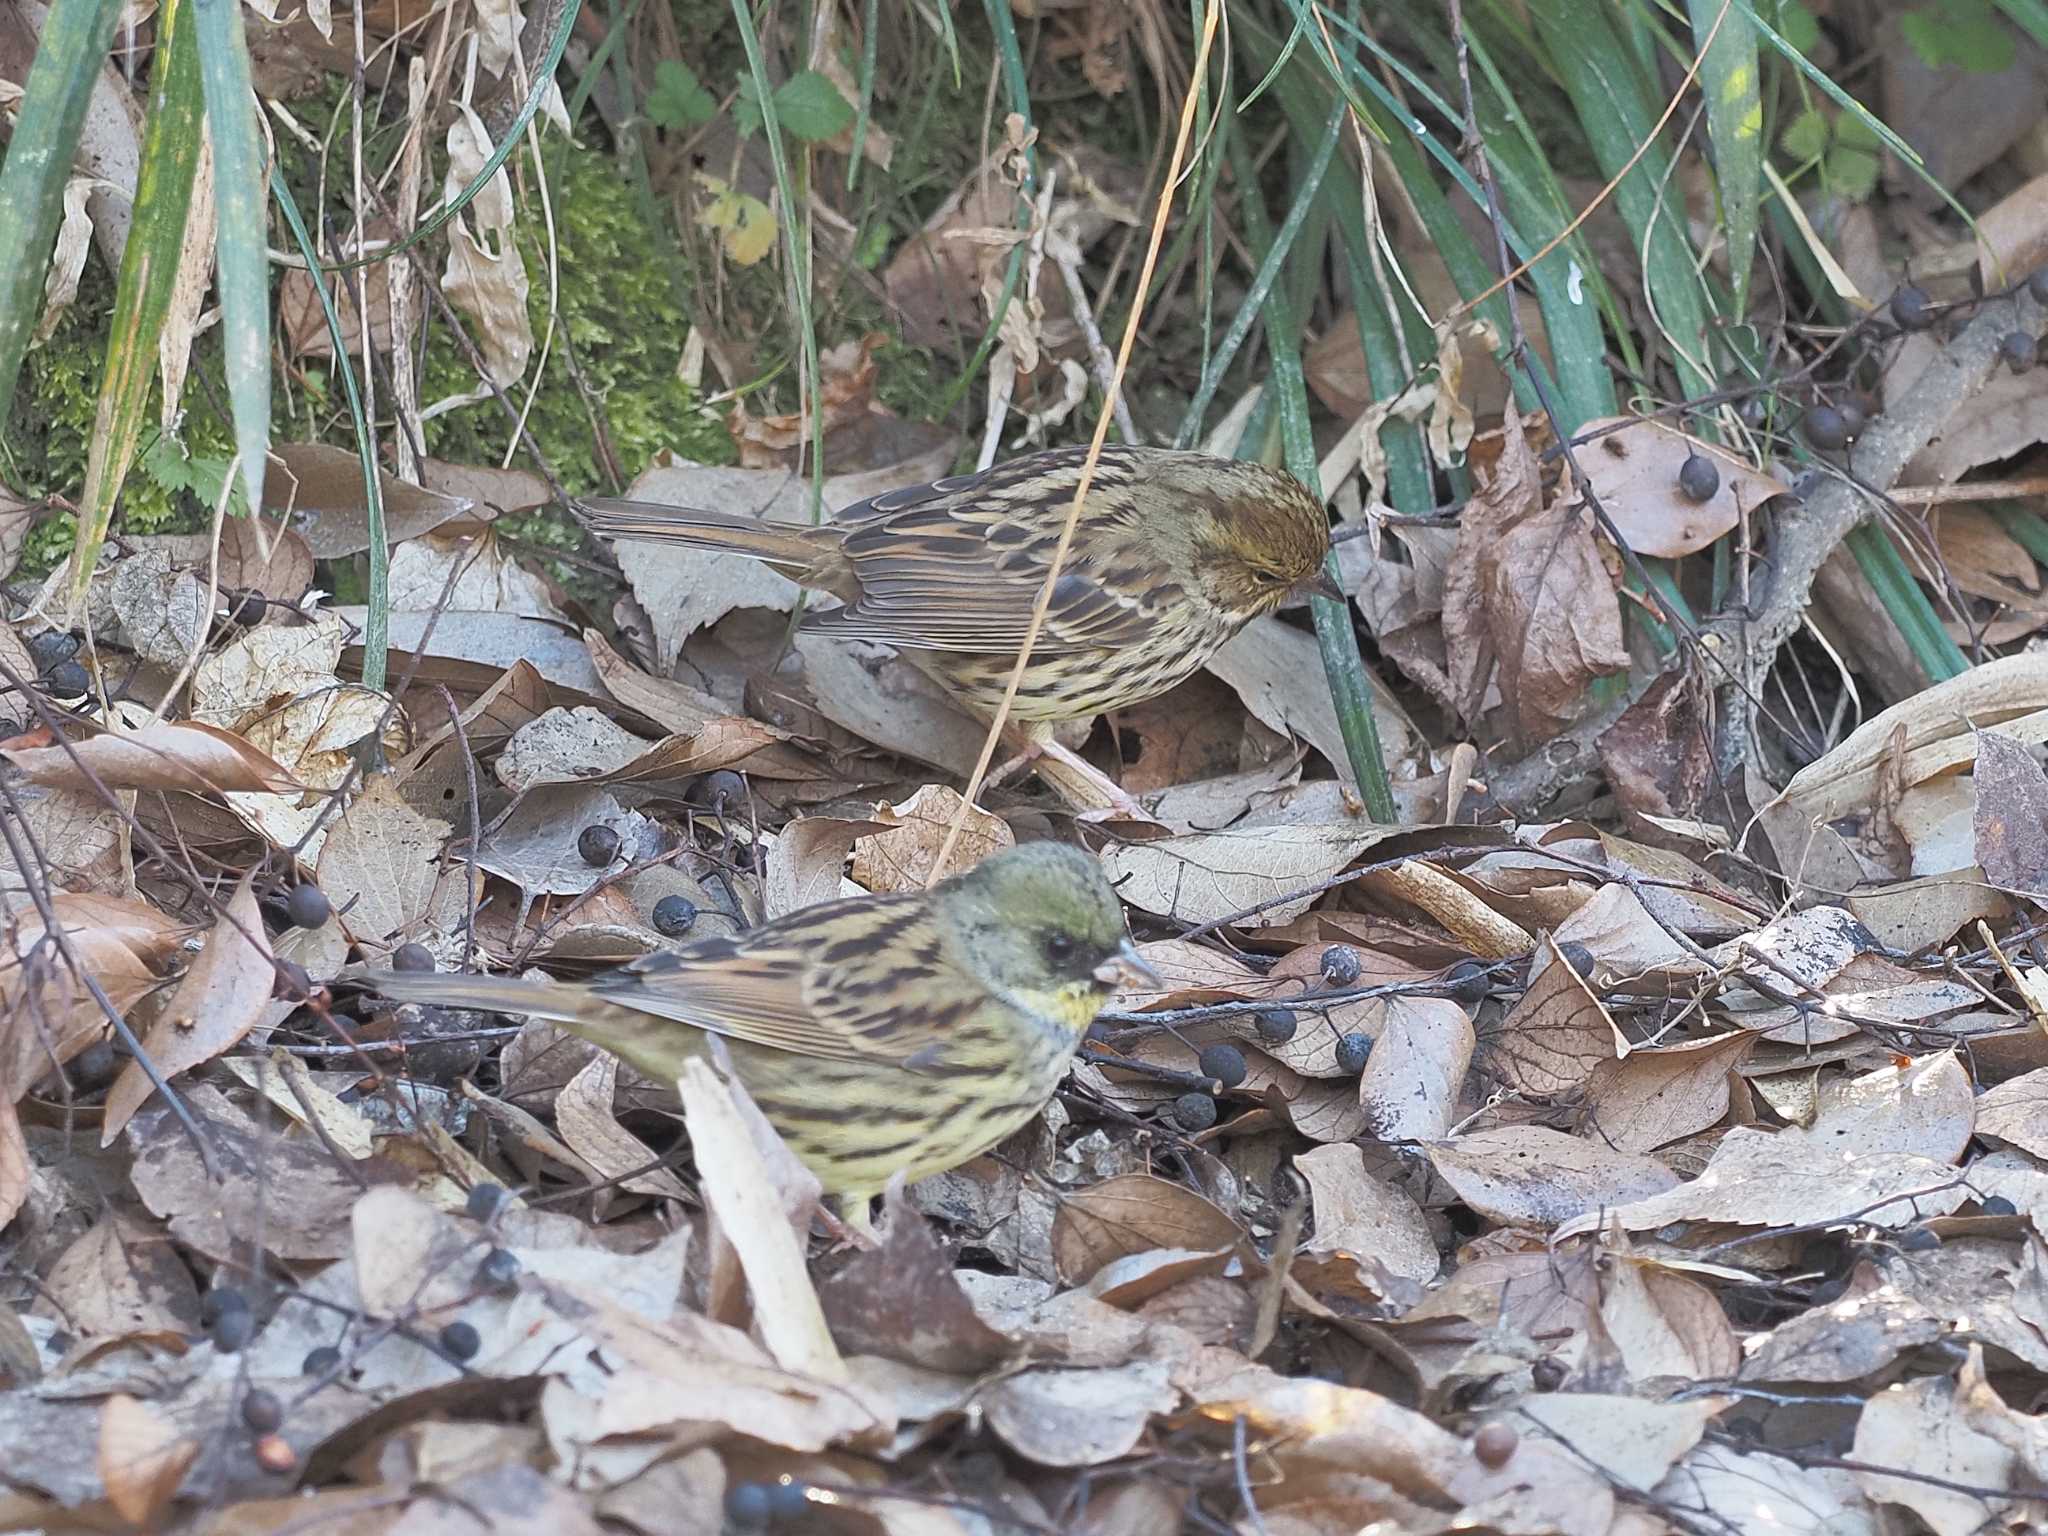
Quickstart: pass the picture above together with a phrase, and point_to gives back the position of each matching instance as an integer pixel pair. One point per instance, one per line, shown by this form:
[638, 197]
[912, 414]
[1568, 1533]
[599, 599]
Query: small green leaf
[678, 99]
[1806, 136]
[1850, 173]
[1959, 34]
[811, 107]
[1793, 22]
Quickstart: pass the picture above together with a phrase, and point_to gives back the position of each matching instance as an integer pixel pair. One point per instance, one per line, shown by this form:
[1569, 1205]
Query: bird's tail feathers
[727, 532]
[553, 1000]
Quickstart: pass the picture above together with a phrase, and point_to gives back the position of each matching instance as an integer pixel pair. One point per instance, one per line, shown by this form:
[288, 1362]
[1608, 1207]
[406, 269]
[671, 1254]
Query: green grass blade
[1729, 79]
[377, 622]
[1899, 594]
[1335, 635]
[241, 247]
[76, 34]
[149, 268]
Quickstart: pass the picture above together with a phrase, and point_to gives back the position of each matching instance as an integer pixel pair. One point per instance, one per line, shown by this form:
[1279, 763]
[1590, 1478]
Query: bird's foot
[1093, 794]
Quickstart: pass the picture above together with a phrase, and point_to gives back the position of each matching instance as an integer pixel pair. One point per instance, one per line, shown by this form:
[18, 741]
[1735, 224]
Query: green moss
[624, 329]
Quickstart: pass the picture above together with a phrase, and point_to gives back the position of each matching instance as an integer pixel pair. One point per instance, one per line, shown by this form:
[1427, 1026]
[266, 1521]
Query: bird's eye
[1059, 947]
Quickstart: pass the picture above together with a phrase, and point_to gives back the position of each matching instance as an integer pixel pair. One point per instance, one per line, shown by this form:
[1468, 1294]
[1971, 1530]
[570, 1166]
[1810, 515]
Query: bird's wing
[847, 981]
[958, 564]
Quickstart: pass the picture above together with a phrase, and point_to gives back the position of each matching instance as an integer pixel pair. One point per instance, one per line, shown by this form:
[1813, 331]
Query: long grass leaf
[1730, 81]
[241, 249]
[173, 135]
[76, 34]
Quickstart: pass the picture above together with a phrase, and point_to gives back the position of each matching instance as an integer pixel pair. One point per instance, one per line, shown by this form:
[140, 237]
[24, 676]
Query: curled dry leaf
[1367, 1217]
[382, 871]
[201, 759]
[1916, 1429]
[1409, 1089]
[1658, 1095]
[323, 487]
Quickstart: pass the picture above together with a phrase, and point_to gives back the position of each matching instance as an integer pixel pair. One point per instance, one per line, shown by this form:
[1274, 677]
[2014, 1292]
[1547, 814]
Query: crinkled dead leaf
[1525, 1175]
[583, 1114]
[1860, 1333]
[1359, 1214]
[1753, 1493]
[381, 868]
[1630, 1441]
[1555, 1037]
[201, 759]
[1660, 1094]
[536, 847]
[472, 574]
[1759, 1178]
[1205, 876]
[1077, 1417]
[119, 1277]
[1915, 1429]
[1925, 1109]
[2016, 1112]
[905, 857]
[223, 996]
[1131, 1214]
[1276, 670]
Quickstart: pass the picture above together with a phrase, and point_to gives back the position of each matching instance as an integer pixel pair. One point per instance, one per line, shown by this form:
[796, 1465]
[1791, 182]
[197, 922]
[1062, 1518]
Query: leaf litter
[1649, 1170]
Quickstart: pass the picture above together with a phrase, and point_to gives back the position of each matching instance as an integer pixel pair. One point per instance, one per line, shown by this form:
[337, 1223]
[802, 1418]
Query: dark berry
[319, 1361]
[51, 647]
[232, 1330]
[1547, 1374]
[723, 791]
[2016, 347]
[2037, 284]
[787, 1499]
[222, 1301]
[748, 1506]
[1919, 1240]
[1495, 1444]
[1224, 1062]
[94, 1067]
[291, 980]
[69, 680]
[461, 1339]
[412, 957]
[307, 906]
[674, 916]
[484, 1201]
[1352, 1051]
[1194, 1112]
[1998, 1205]
[1469, 982]
[1912, 310]
[598, 844]
[1855, 413]
[1341, 966]
[1698, 478]
[261, 1410]
[499, 1270]
[1577, 956]
[1276, 1025]
[1826, 427]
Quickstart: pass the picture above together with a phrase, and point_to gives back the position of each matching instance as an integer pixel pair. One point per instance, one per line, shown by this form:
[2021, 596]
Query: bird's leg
[851, 1227]
[1090, 791]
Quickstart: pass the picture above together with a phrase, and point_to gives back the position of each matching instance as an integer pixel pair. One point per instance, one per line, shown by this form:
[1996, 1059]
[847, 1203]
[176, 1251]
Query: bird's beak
[1127, 968]
[1322, 584]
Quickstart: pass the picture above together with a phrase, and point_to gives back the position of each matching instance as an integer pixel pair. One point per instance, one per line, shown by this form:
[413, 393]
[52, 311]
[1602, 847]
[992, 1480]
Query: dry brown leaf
[1367, 1217]
[201, 759]
[1205, 876]
[143, 1458]
[381, 868]
[223, 996]
[1653, 1097]
[1409, 1089]
[905, 856]
[1524, 1175]
[1634, 471]
[1555, 1037]
[1134, 1213]
[2016, 1112]
[1915, 1428]
[583, 1114]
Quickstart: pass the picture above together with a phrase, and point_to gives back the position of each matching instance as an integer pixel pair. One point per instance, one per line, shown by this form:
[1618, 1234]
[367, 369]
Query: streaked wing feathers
[844, 982]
